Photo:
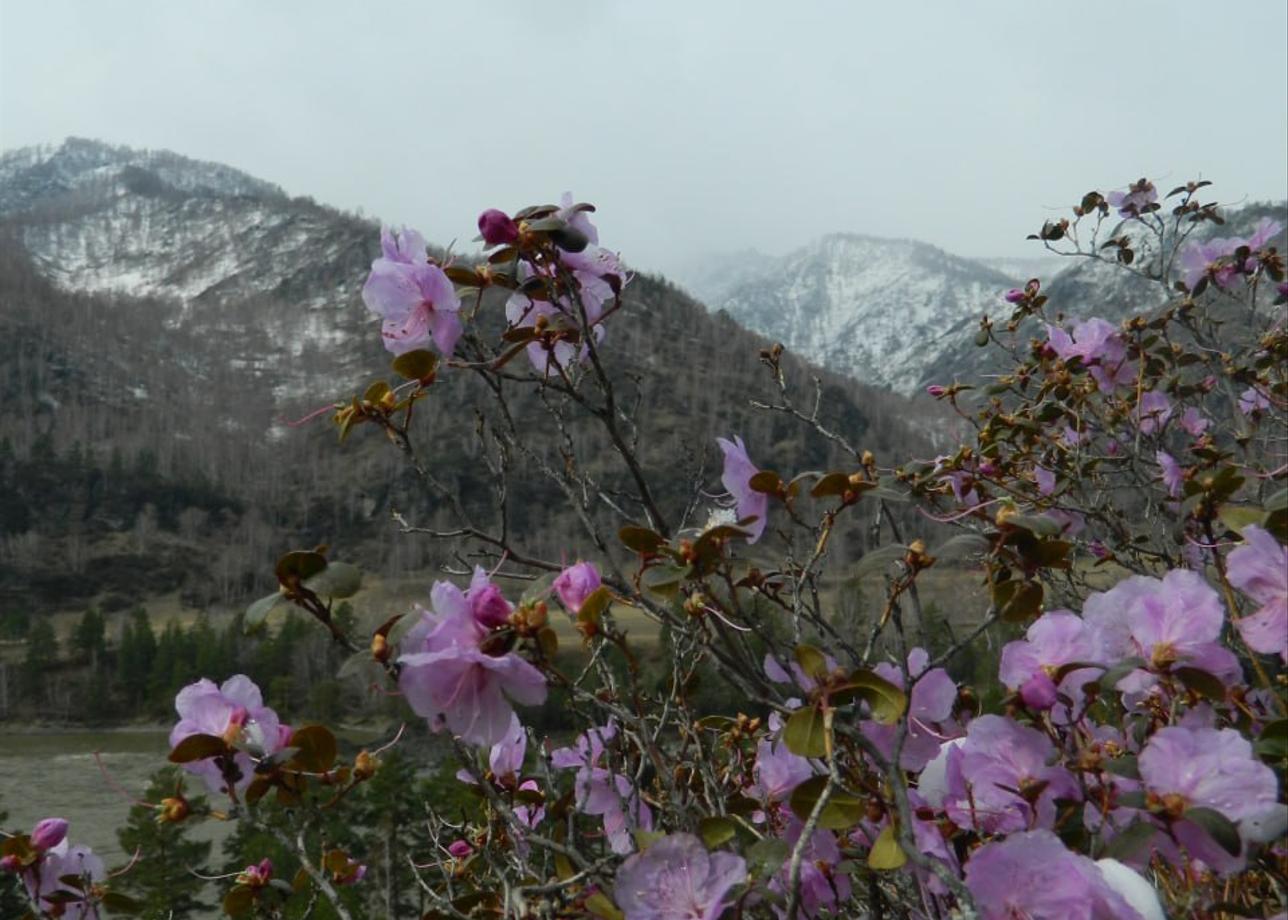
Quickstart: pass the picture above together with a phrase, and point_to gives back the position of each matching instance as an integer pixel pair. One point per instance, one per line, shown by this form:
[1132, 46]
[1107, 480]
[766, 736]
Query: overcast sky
[694, 126]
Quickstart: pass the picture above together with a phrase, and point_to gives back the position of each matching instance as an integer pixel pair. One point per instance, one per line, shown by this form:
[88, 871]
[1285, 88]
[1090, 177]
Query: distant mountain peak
[44, 174]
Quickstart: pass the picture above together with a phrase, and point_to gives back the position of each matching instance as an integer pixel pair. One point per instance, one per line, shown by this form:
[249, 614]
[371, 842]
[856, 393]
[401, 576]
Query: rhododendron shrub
[1104, 739]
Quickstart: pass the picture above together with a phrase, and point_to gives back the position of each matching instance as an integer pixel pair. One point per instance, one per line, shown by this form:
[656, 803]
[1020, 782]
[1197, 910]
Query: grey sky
[693, 126]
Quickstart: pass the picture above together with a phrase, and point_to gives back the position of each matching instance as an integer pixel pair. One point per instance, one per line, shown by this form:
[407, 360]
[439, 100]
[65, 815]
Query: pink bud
[576, 583]
[49, 833]
[1014, 295]
[10, 864]
[1038, 692]
[497, 227]
[1098, 549]
[936, 390]
[490, 609]
[460, 849]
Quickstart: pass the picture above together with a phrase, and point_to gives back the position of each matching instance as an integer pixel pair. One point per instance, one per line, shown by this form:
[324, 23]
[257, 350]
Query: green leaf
[716, 830]
[886, 854]
[766, 481]
[317, 748]
[599, 905]
[239, 901]
[1109, 679]
[812, 662]
[594, 605]
[640, 539]
[118, 903]
[1125, 766]
[962, 546]
[805, 734]
[1018, 601]
[258, 612]
[887, 702]
[399, 630]
[878, 559]
[843, 809]
[198, 747]
[1237, 517]
[376, 392]
[299, 565]
[664, 579]
[1219, 828]
[766, 856]
[1272, 744]
[1037, 524]
[1131, 841]
[337, 580]
[830, 484]
[1201, 682]
[416, 365]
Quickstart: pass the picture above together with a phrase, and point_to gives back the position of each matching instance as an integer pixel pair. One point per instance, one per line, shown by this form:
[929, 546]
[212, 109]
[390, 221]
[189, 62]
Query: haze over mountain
[163, 315]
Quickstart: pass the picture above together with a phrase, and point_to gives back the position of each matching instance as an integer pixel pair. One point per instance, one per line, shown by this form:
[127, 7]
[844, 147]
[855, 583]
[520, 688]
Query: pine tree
[160, 879]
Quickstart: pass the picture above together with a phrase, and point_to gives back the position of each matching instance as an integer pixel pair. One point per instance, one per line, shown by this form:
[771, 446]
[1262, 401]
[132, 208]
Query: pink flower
[257, 876]
[58, 898]
[1030, 665]
[1253, 400]
[564, 352]
[1194, 421]
[1045, 480]
[936, 390]
[777, 771]
[736, 477]
[930, 709]
[1207, 768]
[1259, 568]
[234, 711]
[48, 833]
[459, 849]
[677, 879]
[1153, 411]
[487, 604]
[496, 227]
[452, 671]
[821, 888]
[1032, 875]
[1097, 344]
[506, 758]
[416, 299]
[602, 792]
[999, 779]
[1172, 622]
[1014, 295]
[576, 583]
[1173, 475]
[1137, 200]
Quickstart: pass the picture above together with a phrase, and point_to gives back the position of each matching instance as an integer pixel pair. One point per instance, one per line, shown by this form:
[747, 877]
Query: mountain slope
[876, 309]
[173, 312]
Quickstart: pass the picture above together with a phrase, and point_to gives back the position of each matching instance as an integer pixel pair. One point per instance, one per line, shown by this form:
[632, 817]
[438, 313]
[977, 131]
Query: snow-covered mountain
[880, 310]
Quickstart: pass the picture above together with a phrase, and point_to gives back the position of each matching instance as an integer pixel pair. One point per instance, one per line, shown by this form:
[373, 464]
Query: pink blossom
[736, 477]
[1045, 480]
[576, 583]
[564, 352]
[1014, 295]
[821, 888]
[1259, 568]
[1034, 876]
[1098, 345]
[930, 709]
[449, 671]
[999, 779]
[601, 791]
[414, 297]
[487, 604]
[1172, 622]
[677, 879]
[1194, 421]
[1137, 200]
[1153, 411]
[506, 757]
[459, 849]
[777, 771]
[1253, 400]
[1173, 475]
[1030, 665]
[579, 220]
[45, 885]
[234, 711]
[1207, 768]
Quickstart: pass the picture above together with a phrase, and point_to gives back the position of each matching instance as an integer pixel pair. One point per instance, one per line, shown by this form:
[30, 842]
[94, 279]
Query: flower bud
[173, 810]
[490, 609]
[10, 863]
[48, 833]
[365, 766]
[936, 390]
[497, 228]
[1014, 295]
[379, 648]
[460, 849]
